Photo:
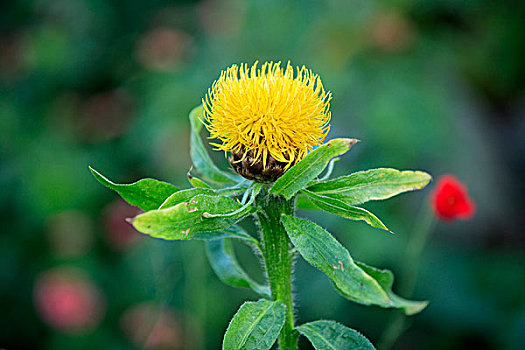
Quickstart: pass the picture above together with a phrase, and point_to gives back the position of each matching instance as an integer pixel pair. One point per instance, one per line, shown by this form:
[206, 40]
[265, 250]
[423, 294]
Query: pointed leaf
[184, 196]
[338, 207]
[199, 156]
[196, 182]
[386, 279]
[234, 190]
[185, 219]
[304, 203]
[330, 169]
[374, 184]
[320, 249]
[147, 194]
[313, 164]
[253, 192]
[255, 326]
[223, 262]
[187, 194]
[330, 335]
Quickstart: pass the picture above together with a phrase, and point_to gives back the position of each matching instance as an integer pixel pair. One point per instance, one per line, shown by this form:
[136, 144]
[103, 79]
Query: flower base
[253, 168]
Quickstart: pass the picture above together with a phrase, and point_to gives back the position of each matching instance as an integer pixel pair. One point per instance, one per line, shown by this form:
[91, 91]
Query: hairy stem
[278, 258]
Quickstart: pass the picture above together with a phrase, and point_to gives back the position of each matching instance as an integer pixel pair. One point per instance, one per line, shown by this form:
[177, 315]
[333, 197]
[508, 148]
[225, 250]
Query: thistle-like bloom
[267, 114]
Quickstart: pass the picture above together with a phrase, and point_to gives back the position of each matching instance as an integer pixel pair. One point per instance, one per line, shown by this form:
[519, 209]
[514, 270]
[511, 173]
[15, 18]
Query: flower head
[68, 301]
[267, 113]
[450, 199]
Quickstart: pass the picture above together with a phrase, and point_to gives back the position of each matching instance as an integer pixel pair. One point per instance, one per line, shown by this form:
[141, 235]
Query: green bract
[213, 209]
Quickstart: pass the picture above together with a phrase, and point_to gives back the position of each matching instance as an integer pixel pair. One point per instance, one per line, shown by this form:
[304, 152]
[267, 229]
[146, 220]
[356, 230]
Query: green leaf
[200, 158]
[238, 189]
[185, 219]
[338, 207]
[184, 196]
[385, 278]
[320, 249]
[304, 203]
[330, 168]
[223, 262]
[196, 182]
[374, 184]
[147, 194]
[330, 335]
[313, 164]
[255, 326]
[253, 192]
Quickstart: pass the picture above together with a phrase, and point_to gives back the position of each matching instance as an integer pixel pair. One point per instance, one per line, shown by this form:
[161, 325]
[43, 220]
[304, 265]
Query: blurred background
[434, 85]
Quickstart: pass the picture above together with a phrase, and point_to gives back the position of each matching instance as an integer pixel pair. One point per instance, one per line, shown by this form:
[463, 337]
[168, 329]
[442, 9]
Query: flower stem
[278, 258]
[397, 323]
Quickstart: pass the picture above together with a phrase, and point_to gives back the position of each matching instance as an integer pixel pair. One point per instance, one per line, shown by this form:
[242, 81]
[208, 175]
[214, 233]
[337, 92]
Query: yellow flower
[267, 110]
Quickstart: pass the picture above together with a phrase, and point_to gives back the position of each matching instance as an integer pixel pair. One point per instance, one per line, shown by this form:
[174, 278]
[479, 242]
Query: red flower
[67, 300]
[450, 199]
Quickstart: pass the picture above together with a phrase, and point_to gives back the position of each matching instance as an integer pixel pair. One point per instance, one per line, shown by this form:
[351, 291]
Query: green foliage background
[433, 85]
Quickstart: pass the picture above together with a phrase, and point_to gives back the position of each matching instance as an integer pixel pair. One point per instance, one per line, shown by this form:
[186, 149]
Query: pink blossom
[68, 301]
